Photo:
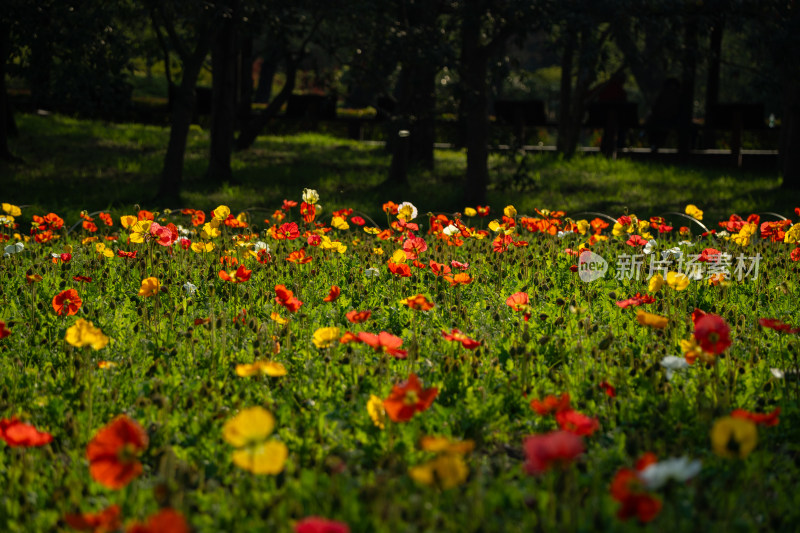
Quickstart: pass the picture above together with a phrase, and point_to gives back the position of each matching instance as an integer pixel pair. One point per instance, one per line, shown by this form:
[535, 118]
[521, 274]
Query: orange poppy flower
[576, 422]
[113, 450]
[333, 294]
[4, 331]
[518, 301]
[357, 317]
[462, 278]
[19, 434]
[408, 398]
[399, 269]
[765, 419]
[67, 302]
[286, 298]
[438, 269]
[164, 520]
[299, 257]
[104, 521]
[649, 319]
[551, 404]
[418, 302]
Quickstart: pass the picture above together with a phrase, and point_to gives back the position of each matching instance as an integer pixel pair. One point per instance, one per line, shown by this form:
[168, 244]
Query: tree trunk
[474, 65]
[685, 125]
[423, 108]
[790, 135]
[223, 103]
[712, 83]
[180, 120]
[6, 117]
[255, 126]
[567, 139]
[244, 97]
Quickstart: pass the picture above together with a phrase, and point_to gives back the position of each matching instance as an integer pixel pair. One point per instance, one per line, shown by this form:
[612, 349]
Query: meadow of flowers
[311, 370]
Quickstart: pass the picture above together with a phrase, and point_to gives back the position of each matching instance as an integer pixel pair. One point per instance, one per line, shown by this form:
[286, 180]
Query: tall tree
[190, 33]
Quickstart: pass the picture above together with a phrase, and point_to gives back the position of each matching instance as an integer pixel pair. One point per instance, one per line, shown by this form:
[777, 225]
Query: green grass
[72, 165]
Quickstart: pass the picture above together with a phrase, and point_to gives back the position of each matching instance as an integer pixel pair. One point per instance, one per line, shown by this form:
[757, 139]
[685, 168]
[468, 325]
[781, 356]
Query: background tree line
[429, 56]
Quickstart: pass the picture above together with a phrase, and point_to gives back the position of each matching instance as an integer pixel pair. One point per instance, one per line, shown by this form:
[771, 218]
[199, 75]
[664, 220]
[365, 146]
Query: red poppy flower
[145, 215]
[106, 218]
[626, 488]
[288, 204]
[113, 450]
[712, 333]
[608, 388]
[166, 520]
[457, 336]
[414, 246]
[287, 231]
[576, 422]
[357, 220]
[357, 317]
[85, 279]
[105, 521]
[697, 314]
[399, 269]
[349, 336]
[408, 398]
[185, 243]
[67, 302]
[542, 451]
[518, 301]
[4, 331]
[315, 524]
[636, 240]
[551, 404]
[795, 255]
[286, 298]
[777, 325]
[314, 240]
[127, 255]
[308, 211]
[483, 211]
[385, 342]
[762, 419]
[18, 434]
[333, 294]
[709, 255]
[240, 276]
[390, 208]
[636, 301]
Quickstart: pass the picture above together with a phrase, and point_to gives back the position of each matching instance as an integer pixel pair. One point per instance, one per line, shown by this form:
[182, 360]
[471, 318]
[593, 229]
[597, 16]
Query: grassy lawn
[72, 165]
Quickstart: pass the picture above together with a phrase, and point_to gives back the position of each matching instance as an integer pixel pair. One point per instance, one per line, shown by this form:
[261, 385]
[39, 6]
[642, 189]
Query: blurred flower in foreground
[19, 434]
[315, 524]
[376, 411]
[733, 437]
[248, 431]
[265, 368]
[104, 521]
[556, 447]
[113, 452]
[164, 521]
[150, 287]
[83, 333]
[408, 398]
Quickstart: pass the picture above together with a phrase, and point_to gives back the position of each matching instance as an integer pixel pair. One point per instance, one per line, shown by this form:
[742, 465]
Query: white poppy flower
[450, 230]
[650, 247]
[310, 196]
[372, 272]
[261, 245]
[777, 372]
[406, 211]
[13, 249]
[673, 364]
[562, 234]
[672, 253]
[190, 288]
[680, 469]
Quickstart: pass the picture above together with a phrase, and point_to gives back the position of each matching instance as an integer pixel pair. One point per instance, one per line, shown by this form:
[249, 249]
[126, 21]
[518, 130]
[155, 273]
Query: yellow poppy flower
[733, 437]
[266, 368]
[202, 247]
[693, 211]
[399, 256]
[221, 212]
[248, 431]
[470, 212]
[150, 286]
[339, 223]
[372, 231]
[12, 210]
[278, 318]
[656, 282]
[376, 411]
[83, 333]
[445, 471]
[583, 226]
[140, 231]
[127, 221]
[445, 445]
[677, 281]
[210, 230]
[325, 337]
[790, 237]
[510, 211]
